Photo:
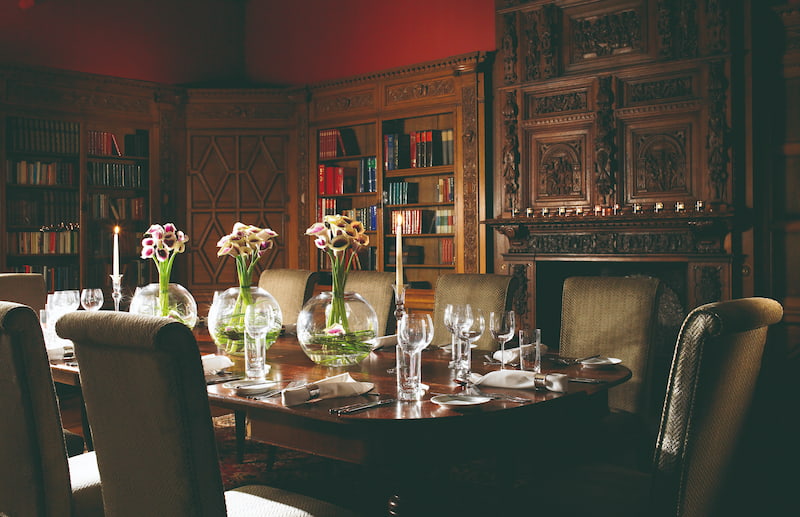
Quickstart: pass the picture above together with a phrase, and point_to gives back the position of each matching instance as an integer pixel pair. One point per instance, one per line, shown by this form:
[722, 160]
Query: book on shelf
[23, 172]
[411, 255]
[103, 143]
[368, 216]
[367, 175]
[447, 251]
[42, 136]
[444, 220]
[415, 221]
[337, 142]
[426, 148]
[332, 206]
[338, 180]
[137, 144]
[401, 192]
[445, 190]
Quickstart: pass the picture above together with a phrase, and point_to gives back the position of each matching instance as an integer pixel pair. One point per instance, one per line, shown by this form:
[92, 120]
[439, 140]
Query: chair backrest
[488, 292]
[25, 288]
[714, 371]
[147, 404]
[35, 477]
[291, 288]
[376, 288]
[615, 317]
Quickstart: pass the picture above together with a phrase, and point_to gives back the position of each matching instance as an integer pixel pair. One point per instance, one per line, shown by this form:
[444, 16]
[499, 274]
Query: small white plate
[459, 401]
[249, 386]
[600, 362]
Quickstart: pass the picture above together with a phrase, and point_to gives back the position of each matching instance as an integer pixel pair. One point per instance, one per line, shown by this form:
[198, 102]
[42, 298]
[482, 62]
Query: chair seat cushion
[264, 501]
[87, 500]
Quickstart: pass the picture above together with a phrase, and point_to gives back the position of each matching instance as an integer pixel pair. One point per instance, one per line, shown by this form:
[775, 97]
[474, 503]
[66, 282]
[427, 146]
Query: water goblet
[258, 322]
[414, 333]
[502, 325]
[455, 317]
[91, 299]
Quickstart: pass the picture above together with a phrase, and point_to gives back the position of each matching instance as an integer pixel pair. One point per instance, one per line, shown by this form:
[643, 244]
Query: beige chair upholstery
[291, 288]
[148, 407]
[30, 289]
[488, 292]
[712, 380]
[37, 479]
[376, 288]
[615, 317]
[25, 288]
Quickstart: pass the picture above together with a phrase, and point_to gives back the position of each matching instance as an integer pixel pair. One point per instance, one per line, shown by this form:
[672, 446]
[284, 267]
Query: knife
[586, 380]
[353, 408]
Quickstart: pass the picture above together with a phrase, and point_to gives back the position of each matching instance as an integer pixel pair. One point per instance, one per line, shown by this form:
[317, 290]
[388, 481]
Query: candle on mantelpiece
[399, 250]
[116, 251]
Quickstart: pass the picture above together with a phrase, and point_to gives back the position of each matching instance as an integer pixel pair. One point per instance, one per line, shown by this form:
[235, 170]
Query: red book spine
[321, 180]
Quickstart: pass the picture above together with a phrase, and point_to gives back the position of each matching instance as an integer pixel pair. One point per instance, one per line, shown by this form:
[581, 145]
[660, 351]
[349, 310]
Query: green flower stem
[338, 313]
[164, 273]
[243, 300]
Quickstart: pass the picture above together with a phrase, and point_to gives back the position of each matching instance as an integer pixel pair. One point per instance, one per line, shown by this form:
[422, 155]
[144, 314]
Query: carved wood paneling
[558, 168]
[511, 175]
[234, 176]
[419, 90]
[509, 48]
[469, 141]
[611, 32]
[718, 139]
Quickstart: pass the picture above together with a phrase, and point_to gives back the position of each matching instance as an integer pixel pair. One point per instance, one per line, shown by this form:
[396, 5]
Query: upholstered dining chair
[148, 407]
[25, 288]
[30, 289]
[291, 288]
[711, 385]
[488, 292]
[615, 317]
[37, 477]
[376, 288]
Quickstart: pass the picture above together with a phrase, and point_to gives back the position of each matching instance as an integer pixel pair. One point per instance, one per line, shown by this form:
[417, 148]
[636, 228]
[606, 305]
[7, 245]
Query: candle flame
[116, 229]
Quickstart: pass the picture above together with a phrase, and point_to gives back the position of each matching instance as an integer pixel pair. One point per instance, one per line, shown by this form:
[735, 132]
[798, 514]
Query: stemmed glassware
[455, 317]
[91, 299]
[470, 330]
[502, 325]
[259, 320]
[414, 333]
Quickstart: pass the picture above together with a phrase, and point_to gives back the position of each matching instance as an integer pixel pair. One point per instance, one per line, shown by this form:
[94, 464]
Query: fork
[496, 396]
[271, 393]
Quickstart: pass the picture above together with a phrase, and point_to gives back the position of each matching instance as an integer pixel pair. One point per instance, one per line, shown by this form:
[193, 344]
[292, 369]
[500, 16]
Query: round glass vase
[337, 330]
[226, 317]
[179, 303]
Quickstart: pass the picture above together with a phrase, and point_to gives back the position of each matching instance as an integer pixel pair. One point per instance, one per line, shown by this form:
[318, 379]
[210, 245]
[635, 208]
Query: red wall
[168, 41]
[273, 42]
[306, 41]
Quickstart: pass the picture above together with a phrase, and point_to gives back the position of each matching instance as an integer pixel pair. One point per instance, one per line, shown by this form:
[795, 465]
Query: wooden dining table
[398, 439]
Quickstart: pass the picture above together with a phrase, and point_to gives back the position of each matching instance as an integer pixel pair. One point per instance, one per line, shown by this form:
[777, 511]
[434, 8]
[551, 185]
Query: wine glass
[454, 318]
[65, 301]
[502, 325]
[91, 299]
[470, 331]
[258, 322]
[414, 333]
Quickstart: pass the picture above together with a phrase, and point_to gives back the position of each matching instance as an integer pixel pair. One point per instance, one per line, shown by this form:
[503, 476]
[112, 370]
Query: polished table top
[288, 363]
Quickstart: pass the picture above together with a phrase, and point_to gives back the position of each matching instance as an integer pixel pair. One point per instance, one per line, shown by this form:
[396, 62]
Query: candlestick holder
[116, 294]
[399, 300]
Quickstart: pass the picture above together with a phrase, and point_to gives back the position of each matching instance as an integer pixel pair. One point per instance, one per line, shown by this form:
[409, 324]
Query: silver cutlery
[496, 396]
[275, 391]
[587, 380]
[353, 408]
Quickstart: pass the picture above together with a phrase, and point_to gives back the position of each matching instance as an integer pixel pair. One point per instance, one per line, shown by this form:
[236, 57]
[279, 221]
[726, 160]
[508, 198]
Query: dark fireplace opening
[671, 304]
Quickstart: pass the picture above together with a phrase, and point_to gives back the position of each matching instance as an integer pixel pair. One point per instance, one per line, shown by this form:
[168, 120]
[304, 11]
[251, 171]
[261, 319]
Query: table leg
[241, 433]
[87, 432]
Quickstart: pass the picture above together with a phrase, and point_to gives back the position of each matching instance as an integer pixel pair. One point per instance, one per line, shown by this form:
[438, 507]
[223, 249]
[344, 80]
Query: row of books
[137, 144]
[335, 180]
[445, 190]
[134, 273]
[38, 243]
[57, 278]
[332, 206]
[22, 172]
[43, 136]
[401, 192]
[127, 175]
[103, 143]
[421, 221]
[427, 148]
[368, 216]
[51, 207]
[447, 253]
[367, 259]
[337, 142]
[103, 206]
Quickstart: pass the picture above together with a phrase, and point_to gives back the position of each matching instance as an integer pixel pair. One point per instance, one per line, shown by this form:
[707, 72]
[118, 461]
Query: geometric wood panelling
[558, 167]
[234, 176]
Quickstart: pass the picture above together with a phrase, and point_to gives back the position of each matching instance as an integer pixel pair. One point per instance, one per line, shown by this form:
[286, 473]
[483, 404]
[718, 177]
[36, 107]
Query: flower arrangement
[338, 341]
[246, 244]
[162, 244]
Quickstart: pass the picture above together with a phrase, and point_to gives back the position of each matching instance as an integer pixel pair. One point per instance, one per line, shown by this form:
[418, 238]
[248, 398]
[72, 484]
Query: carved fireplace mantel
[696, 243]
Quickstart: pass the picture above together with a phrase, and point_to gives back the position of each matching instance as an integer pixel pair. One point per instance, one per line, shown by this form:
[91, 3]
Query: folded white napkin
[55, 353]
[512, 354]
[341, 385]
[213, 363]
[386, 341]
[521, 380]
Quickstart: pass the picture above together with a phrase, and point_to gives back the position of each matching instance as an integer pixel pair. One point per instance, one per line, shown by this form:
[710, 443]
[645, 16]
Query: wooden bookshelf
[424, 126]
